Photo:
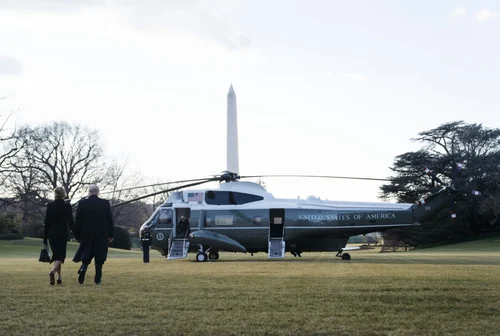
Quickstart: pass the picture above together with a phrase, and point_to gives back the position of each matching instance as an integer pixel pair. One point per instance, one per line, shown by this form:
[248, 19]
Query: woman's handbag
[44, 254]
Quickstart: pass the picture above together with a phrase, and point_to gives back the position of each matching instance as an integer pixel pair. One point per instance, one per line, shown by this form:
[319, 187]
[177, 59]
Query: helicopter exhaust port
[296, 253]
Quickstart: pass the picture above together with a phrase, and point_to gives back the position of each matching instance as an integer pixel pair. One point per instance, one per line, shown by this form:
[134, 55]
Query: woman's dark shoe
[52, 280]
[59, 281]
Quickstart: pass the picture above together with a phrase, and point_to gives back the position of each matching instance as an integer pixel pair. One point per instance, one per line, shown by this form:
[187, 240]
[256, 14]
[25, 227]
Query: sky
[323, 87]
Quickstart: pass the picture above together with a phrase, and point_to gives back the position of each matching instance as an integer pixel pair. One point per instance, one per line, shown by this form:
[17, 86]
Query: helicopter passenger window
[230, 197]
[165, 216]
[194, 218]
[257, 220]
[223, 220]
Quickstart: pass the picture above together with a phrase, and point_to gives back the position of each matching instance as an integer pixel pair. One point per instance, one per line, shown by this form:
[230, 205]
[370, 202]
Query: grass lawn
[452, 290]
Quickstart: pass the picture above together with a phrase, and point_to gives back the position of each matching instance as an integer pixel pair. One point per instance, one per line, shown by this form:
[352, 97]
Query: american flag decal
[195, 197]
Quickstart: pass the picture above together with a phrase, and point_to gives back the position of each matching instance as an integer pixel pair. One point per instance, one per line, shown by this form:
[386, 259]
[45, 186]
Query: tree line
[475, 145]
[36, 159]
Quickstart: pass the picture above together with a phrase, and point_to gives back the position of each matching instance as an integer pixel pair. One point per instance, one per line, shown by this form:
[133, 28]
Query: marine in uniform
[145, 244]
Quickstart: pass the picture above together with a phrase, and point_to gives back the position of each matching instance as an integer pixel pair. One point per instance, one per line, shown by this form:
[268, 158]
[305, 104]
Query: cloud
[199, 18]
[355, 76]
[485, 14]
[196, 17]
[10, 66]
[222, 30]
[459, 12]
[47, 5]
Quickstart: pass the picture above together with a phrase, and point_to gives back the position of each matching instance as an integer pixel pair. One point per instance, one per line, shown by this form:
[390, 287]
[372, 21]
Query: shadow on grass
[491, 260]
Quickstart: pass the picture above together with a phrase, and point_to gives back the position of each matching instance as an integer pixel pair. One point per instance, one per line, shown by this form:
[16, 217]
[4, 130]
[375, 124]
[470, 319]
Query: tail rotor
[456, 173]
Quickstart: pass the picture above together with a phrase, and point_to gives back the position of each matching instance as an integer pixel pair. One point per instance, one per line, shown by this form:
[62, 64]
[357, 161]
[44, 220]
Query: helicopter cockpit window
[165, 217]
[230, 197]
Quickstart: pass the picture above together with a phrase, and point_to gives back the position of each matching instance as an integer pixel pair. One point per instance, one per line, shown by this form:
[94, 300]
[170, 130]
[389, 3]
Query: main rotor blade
[320, 176]
[158, 192]
[215, 179]
[154, 185]
[163, 191]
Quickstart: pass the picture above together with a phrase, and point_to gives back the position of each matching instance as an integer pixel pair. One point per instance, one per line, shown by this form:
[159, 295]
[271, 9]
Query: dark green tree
[10, 227]
[122, 239]
[443, 147]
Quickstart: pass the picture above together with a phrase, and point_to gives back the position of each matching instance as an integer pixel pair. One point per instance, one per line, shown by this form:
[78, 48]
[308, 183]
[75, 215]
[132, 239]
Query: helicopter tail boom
[430, 206]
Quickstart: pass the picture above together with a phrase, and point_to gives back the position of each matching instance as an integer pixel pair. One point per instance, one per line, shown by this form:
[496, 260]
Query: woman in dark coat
[57, 219]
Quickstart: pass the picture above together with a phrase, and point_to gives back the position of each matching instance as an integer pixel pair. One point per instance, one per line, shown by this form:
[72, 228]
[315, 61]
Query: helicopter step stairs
[276, 248]
[178, 249]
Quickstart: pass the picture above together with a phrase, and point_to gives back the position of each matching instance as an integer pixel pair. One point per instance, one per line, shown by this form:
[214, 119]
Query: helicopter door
[276, 233]
[181, 229]
[179, 242]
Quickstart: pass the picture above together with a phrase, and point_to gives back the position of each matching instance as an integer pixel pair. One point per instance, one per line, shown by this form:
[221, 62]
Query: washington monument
[232, 133]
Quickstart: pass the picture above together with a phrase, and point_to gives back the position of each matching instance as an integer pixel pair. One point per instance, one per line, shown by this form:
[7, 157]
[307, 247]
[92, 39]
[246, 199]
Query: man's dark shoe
[98, 274]
[81, 274]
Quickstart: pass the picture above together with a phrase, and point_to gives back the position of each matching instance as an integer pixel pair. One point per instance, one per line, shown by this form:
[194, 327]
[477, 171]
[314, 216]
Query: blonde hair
[59, 192]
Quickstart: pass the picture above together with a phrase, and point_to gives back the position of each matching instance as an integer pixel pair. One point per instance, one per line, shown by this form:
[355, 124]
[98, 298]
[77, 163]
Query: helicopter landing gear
[201, 256]
[213, 255]
[204, 255]
[296, 253]
[294, 250]
[344, 256]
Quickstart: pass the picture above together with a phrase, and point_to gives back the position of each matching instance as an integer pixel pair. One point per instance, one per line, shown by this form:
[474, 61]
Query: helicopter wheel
[346, 256]
[201, 256]
[213, 255]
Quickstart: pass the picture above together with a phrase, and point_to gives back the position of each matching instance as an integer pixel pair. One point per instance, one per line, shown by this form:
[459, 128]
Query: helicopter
[243, 217]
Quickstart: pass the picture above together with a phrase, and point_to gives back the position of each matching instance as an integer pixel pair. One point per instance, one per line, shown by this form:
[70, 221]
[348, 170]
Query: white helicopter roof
[311, 201]
[246, 187]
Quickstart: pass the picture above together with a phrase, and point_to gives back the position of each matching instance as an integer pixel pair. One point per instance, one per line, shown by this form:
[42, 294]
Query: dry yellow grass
[417, 293]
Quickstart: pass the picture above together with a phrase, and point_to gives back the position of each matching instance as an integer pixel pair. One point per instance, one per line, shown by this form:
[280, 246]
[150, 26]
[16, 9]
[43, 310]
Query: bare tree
[159, 199]
[9, 143]
[66, 155]
[119, 185]
[48, 156]
[26, 186]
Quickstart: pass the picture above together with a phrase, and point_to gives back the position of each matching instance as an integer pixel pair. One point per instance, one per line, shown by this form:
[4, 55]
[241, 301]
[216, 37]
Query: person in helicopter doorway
[145, 244]
[183, 227]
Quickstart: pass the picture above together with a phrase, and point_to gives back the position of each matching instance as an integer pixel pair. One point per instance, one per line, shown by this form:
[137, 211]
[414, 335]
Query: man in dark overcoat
[183, 228]
[94, 229]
